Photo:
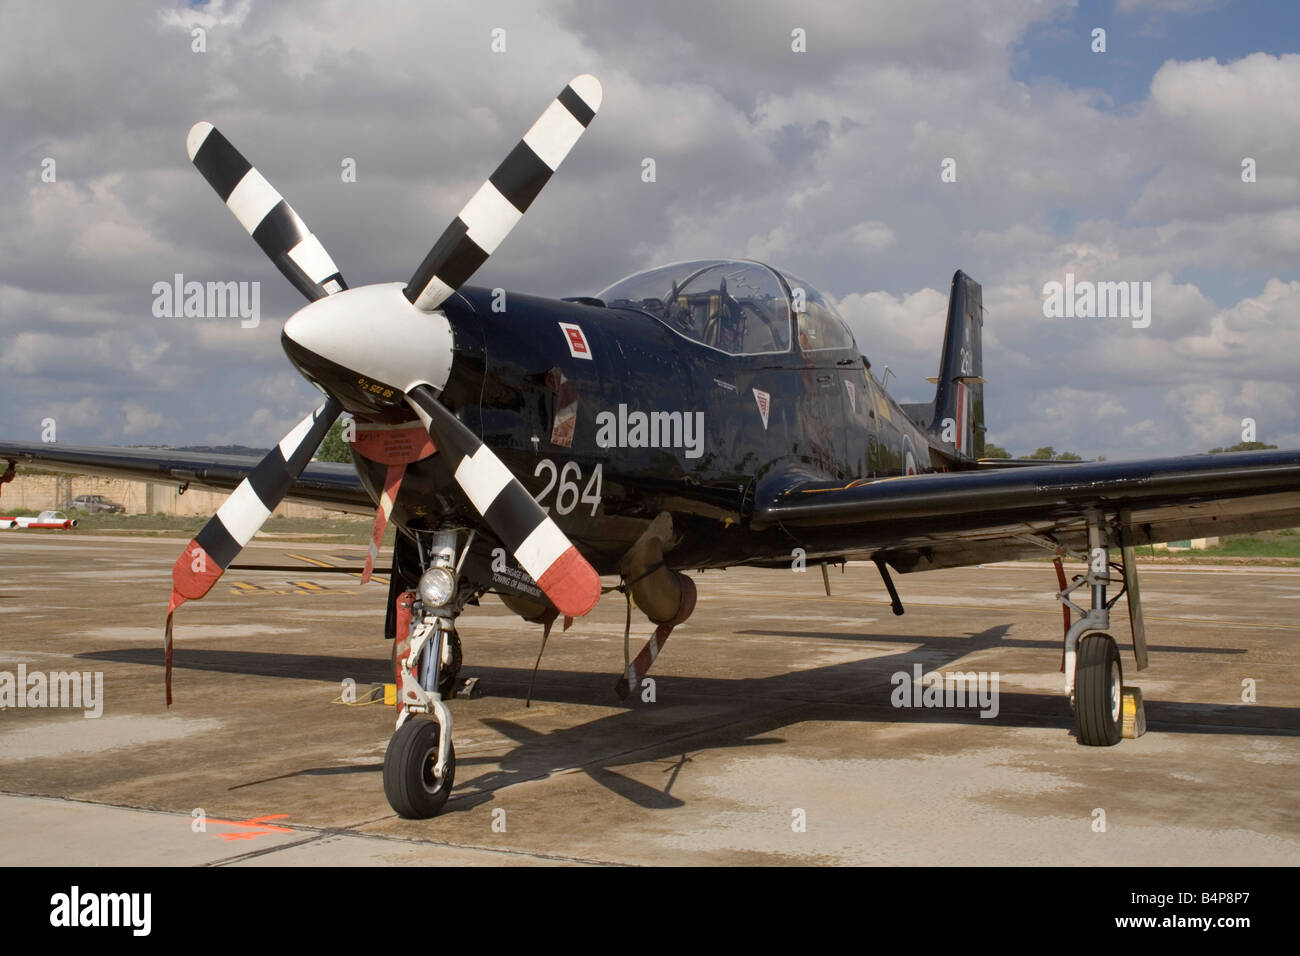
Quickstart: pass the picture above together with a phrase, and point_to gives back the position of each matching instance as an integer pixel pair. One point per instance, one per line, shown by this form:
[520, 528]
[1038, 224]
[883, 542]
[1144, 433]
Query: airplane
[705, 414]
[46, 519]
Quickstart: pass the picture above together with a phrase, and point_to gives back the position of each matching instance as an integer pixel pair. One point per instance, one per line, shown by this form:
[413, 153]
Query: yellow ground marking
[325, 564]
[315, 591]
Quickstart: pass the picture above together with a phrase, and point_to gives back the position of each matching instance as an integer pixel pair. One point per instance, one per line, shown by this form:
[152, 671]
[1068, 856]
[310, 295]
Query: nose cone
[369, 345]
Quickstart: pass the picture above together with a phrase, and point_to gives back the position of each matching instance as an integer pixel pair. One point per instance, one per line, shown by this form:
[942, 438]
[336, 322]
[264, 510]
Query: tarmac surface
[771, 738]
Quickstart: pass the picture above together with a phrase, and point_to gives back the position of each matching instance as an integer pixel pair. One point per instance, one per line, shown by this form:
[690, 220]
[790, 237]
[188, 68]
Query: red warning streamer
[396, 448]
[193, 575]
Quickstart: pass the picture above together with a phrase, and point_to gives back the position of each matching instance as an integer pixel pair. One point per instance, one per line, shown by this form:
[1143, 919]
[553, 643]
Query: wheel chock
[390, 695]
[1135, 715]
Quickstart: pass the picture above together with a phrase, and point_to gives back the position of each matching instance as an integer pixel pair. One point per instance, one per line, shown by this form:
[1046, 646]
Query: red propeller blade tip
[193, 574]
[571, 583]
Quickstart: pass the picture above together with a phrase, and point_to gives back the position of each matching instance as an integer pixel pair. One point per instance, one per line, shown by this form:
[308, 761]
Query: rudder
[959, 393]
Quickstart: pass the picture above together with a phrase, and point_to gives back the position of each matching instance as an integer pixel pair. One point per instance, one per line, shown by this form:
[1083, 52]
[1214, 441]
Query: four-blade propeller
[502, 501]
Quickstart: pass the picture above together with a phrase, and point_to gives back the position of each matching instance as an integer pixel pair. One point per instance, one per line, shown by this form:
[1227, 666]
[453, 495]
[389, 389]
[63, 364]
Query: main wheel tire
[1099, 692]
[409, 783]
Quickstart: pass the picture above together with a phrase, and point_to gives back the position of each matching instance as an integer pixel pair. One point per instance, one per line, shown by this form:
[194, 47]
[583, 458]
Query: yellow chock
[1135, 715]
[390, 697]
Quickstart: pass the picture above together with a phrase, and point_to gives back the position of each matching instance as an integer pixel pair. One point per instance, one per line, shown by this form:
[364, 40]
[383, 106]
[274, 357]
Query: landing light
[436, 587]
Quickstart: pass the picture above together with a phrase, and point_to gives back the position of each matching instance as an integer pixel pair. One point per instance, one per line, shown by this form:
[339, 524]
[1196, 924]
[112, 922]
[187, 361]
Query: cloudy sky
[1123, 165]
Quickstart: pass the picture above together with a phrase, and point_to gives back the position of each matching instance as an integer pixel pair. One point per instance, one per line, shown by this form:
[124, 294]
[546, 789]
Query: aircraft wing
[327, 484]
[959, 518]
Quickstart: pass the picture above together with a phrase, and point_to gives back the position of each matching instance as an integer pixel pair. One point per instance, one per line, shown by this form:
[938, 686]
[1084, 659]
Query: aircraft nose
[369, 344]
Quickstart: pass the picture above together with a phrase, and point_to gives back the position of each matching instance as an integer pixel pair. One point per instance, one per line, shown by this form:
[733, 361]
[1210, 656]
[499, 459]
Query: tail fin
[958, 420]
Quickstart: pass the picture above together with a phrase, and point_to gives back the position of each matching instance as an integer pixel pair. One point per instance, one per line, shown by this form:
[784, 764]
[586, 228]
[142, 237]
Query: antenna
[884, 379]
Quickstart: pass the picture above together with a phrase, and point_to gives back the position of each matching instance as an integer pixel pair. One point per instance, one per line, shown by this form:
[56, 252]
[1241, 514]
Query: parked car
[96, 504]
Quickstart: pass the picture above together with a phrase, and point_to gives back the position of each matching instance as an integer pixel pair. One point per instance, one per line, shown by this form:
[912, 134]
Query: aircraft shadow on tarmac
[714, 712]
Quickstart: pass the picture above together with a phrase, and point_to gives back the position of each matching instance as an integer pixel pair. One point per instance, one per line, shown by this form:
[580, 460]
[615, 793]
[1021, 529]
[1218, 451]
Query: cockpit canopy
[737, 306]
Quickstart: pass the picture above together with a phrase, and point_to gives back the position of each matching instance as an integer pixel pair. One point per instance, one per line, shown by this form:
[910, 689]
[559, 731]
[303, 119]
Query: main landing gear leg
[1093, 676]
[420, 762]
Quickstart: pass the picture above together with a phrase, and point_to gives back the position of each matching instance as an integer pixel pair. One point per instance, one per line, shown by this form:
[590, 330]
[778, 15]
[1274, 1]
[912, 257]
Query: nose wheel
[411, 783]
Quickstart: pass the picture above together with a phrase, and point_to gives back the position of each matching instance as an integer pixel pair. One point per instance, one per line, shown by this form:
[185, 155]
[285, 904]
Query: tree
[1048, 453]
[1242, 446]
[995, 451]
[334, 448]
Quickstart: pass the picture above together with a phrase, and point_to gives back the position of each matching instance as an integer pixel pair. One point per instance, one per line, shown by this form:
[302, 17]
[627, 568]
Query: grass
[1248, 547]
[1276, 546]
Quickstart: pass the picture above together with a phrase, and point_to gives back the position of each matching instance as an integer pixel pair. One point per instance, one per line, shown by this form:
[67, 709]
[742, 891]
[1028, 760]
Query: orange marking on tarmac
[260, 828]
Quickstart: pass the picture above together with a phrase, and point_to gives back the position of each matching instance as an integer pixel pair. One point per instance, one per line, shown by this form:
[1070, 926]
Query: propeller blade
[537, 543]
[212, 550]
[264, 214]
[501, 201]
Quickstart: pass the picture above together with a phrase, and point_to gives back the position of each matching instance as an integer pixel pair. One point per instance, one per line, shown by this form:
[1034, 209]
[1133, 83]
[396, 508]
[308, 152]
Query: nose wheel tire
[1099, 692]
[409, 783]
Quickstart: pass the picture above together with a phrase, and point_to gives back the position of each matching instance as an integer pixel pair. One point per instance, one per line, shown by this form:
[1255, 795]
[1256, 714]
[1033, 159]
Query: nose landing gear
[420, 762]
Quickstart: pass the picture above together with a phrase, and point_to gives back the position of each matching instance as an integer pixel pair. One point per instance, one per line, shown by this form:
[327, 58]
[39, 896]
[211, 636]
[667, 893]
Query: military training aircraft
[706, 414]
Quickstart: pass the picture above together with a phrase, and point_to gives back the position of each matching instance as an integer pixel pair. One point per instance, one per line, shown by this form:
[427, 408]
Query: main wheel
[1099, 692]
[409, 783]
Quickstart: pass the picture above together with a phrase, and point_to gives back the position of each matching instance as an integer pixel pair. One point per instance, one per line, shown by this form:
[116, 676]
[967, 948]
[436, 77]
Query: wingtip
[589, 88]
[198, 133]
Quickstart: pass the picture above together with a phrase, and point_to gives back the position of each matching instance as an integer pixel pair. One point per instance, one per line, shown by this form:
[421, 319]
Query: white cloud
[1166, 6]
[138, 421]
[826, 162]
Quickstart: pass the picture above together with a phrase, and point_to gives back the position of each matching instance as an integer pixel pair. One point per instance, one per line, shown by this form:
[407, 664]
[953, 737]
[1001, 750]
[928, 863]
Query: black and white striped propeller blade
[212, 550]
[536, 541]
[501, 201]
[264, 214]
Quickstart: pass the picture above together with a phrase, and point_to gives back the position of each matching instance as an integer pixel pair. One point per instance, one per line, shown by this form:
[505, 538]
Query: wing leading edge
[327, 484]
[955, 518]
